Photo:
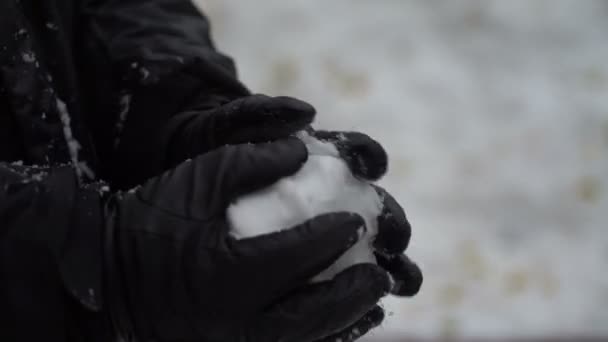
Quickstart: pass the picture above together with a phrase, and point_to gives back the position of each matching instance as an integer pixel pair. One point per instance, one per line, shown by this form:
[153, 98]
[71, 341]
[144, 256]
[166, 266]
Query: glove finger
[211, 181]
[259, 118]
[241, 169]
[282, 261]
[322, 309]
[394, 230]
[372, 319]
[365, 157]
[406, 275]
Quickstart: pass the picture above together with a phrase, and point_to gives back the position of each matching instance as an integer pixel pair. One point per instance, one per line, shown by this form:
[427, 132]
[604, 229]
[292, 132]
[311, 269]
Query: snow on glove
[174, 272]
[365, 157]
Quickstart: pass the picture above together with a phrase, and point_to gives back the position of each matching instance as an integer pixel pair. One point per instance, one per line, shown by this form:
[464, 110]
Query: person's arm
[180, 97]
[160, 32]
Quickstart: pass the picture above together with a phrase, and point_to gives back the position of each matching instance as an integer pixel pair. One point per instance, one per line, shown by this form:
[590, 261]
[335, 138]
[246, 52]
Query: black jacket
[80, 80]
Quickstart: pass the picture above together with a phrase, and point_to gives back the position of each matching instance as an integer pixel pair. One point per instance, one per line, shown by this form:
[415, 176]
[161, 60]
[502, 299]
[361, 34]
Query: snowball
[324, 184]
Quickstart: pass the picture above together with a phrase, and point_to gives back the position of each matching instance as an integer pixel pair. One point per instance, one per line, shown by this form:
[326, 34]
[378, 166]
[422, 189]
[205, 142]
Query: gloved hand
[174, 273]
[368, 160]
[197, 125]
[210, 123]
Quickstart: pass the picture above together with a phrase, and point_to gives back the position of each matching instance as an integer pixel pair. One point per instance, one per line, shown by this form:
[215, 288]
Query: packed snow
[324, 184]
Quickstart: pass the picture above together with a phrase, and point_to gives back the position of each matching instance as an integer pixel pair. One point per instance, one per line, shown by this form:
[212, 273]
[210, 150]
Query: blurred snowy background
[495, 115]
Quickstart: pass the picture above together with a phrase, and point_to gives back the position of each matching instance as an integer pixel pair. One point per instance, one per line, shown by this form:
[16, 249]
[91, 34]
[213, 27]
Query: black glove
[394, 233]
[173, 272]
[206, 125]
[372, 319]
[368, 160]
[365, 157]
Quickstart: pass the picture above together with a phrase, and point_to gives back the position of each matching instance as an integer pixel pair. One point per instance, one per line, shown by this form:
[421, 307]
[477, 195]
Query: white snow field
[495, 116]
[323, 185]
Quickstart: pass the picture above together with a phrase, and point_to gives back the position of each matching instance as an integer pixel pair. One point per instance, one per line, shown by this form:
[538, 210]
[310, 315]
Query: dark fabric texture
[122, 69]
[50, 265]
[70, 64]
[147, 60]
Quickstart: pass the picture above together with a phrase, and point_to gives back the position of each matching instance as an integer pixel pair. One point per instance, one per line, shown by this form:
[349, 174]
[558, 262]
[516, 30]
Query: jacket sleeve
[156, 31]
[163, 60]
[47, 217]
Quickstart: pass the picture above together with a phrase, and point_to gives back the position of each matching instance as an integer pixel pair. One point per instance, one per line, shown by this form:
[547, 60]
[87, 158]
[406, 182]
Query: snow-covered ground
[495, 115]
